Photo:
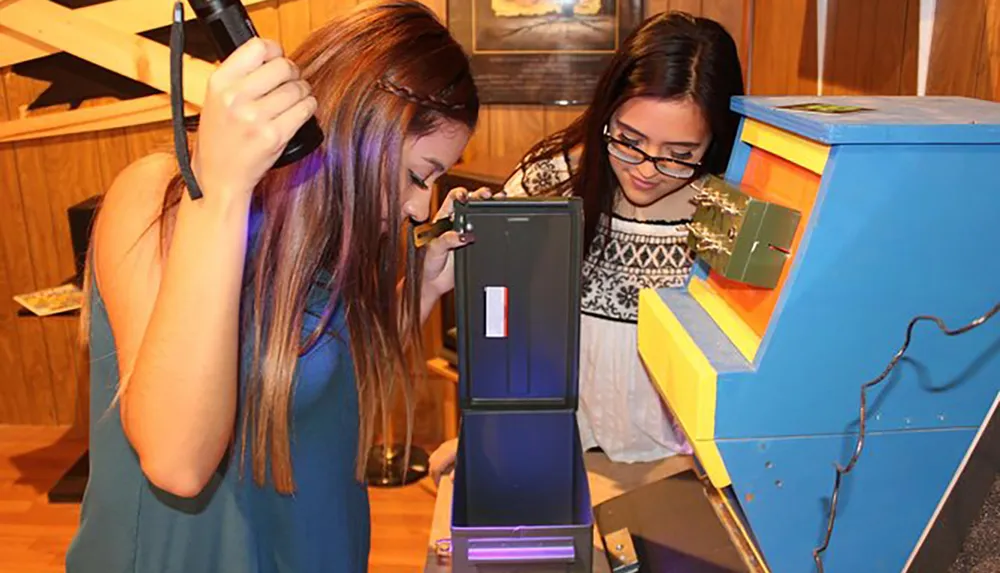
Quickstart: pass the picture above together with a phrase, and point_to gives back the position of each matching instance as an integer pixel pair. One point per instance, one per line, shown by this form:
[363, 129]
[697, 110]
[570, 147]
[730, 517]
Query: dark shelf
[68, 314]
[70, 487]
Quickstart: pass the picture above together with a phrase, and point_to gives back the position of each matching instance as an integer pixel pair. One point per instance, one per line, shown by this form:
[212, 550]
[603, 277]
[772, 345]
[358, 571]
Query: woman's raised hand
[254, 104]
[439, 265]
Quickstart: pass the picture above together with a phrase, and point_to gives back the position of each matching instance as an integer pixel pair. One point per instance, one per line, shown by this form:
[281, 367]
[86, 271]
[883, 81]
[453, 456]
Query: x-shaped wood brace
[105, 35]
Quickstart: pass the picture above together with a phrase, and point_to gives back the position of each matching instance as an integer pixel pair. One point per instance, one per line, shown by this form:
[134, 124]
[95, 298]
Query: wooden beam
[150, 109]
[129, 16]
[129, 55]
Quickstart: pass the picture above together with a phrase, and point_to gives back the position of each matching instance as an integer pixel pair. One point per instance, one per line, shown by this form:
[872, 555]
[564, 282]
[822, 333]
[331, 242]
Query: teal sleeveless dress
[127, 525]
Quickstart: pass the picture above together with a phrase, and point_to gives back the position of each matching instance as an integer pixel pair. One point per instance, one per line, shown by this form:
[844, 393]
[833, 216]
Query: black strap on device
[177, 101]
[228, 26]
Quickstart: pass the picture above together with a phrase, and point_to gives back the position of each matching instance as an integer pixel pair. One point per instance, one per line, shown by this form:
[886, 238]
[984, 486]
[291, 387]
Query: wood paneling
[988, 74]
[44, 378]
[871, 47]
[23, 355]
[783, 58]
[294, 23]
[965, 56]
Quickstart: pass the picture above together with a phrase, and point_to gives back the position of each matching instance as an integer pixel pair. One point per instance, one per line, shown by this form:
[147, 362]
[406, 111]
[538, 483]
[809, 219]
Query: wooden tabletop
[607, 480]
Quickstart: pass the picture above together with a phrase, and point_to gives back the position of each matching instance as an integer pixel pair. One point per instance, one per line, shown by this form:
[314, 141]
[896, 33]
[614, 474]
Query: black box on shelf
[81, 220]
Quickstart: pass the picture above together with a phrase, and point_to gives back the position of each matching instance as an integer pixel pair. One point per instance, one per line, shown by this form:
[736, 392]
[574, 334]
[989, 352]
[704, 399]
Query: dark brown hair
[671, 55]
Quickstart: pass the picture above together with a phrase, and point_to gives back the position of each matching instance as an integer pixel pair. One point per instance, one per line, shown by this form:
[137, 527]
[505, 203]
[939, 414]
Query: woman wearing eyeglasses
[659, 121]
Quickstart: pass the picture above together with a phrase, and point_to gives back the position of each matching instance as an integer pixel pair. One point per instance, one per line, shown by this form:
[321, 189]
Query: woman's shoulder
[137, 192]
[147, 170]
[539, 175]
[127, 223]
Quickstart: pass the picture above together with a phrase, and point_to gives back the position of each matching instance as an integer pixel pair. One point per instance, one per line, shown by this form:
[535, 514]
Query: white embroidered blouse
[620, 410]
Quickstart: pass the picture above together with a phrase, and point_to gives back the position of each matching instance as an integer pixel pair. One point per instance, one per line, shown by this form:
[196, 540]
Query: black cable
[859, 445]
[177, 101]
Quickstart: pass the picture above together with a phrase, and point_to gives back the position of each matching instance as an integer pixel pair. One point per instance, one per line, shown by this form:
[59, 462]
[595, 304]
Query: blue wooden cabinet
[899, 208]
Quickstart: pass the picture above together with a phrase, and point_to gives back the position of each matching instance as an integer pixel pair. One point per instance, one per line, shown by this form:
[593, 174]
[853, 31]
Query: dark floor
[981, 550]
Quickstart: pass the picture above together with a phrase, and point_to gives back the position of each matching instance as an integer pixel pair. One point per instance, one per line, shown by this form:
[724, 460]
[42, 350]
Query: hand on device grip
[253, 106]
[439, 264]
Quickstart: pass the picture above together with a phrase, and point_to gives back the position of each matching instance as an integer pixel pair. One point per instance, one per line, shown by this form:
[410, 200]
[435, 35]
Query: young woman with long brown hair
[241, 344]
[659, 121]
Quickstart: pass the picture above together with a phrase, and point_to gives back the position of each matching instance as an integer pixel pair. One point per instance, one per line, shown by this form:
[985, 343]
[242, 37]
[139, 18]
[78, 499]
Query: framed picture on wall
[541, 51]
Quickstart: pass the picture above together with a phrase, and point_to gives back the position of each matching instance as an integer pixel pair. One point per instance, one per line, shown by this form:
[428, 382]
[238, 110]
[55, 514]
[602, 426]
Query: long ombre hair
[672, 55]
[386, 71]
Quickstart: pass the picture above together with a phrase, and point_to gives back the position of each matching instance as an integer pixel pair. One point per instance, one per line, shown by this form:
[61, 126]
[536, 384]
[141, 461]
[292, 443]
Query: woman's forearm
[428, 298]
[179, 407]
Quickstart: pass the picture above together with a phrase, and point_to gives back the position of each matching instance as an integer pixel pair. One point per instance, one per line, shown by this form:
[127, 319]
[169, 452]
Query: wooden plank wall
[965, 58]
[871, 48]
[43, 373]
[783, 36]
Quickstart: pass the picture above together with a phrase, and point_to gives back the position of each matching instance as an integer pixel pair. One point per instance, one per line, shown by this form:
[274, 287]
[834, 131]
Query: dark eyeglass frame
[694, 165]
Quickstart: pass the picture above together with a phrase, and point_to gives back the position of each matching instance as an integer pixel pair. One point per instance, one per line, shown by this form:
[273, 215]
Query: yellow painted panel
[746, 340]
[770, 178]
[684, 378]
[745, 541]
[798, 150]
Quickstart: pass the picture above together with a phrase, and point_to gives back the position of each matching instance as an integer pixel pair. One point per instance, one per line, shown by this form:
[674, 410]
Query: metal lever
[709, 197]
[707, 241]
[621, 552]
[427, 232]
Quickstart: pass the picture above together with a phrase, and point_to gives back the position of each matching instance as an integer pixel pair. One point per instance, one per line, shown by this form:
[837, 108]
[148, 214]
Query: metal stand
[385, 466]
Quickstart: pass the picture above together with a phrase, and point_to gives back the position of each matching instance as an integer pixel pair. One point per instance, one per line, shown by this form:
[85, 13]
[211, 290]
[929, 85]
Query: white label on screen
[496, 312]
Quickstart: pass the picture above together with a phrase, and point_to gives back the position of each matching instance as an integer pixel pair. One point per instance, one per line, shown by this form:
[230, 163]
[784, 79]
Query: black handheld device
[229, 26]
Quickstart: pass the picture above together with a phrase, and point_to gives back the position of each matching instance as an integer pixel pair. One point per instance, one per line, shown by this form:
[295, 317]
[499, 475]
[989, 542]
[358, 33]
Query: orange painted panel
[771, 178]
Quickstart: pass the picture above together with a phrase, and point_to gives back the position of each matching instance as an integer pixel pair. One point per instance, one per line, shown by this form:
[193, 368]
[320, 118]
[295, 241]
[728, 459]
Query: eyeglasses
[634, 156]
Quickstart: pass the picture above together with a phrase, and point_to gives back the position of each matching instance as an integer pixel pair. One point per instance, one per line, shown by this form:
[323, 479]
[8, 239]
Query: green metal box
[739, 236]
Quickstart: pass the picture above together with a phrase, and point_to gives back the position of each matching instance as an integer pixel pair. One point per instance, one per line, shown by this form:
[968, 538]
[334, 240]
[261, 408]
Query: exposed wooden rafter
[129, 16]
[139, 111]
[105, 35]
